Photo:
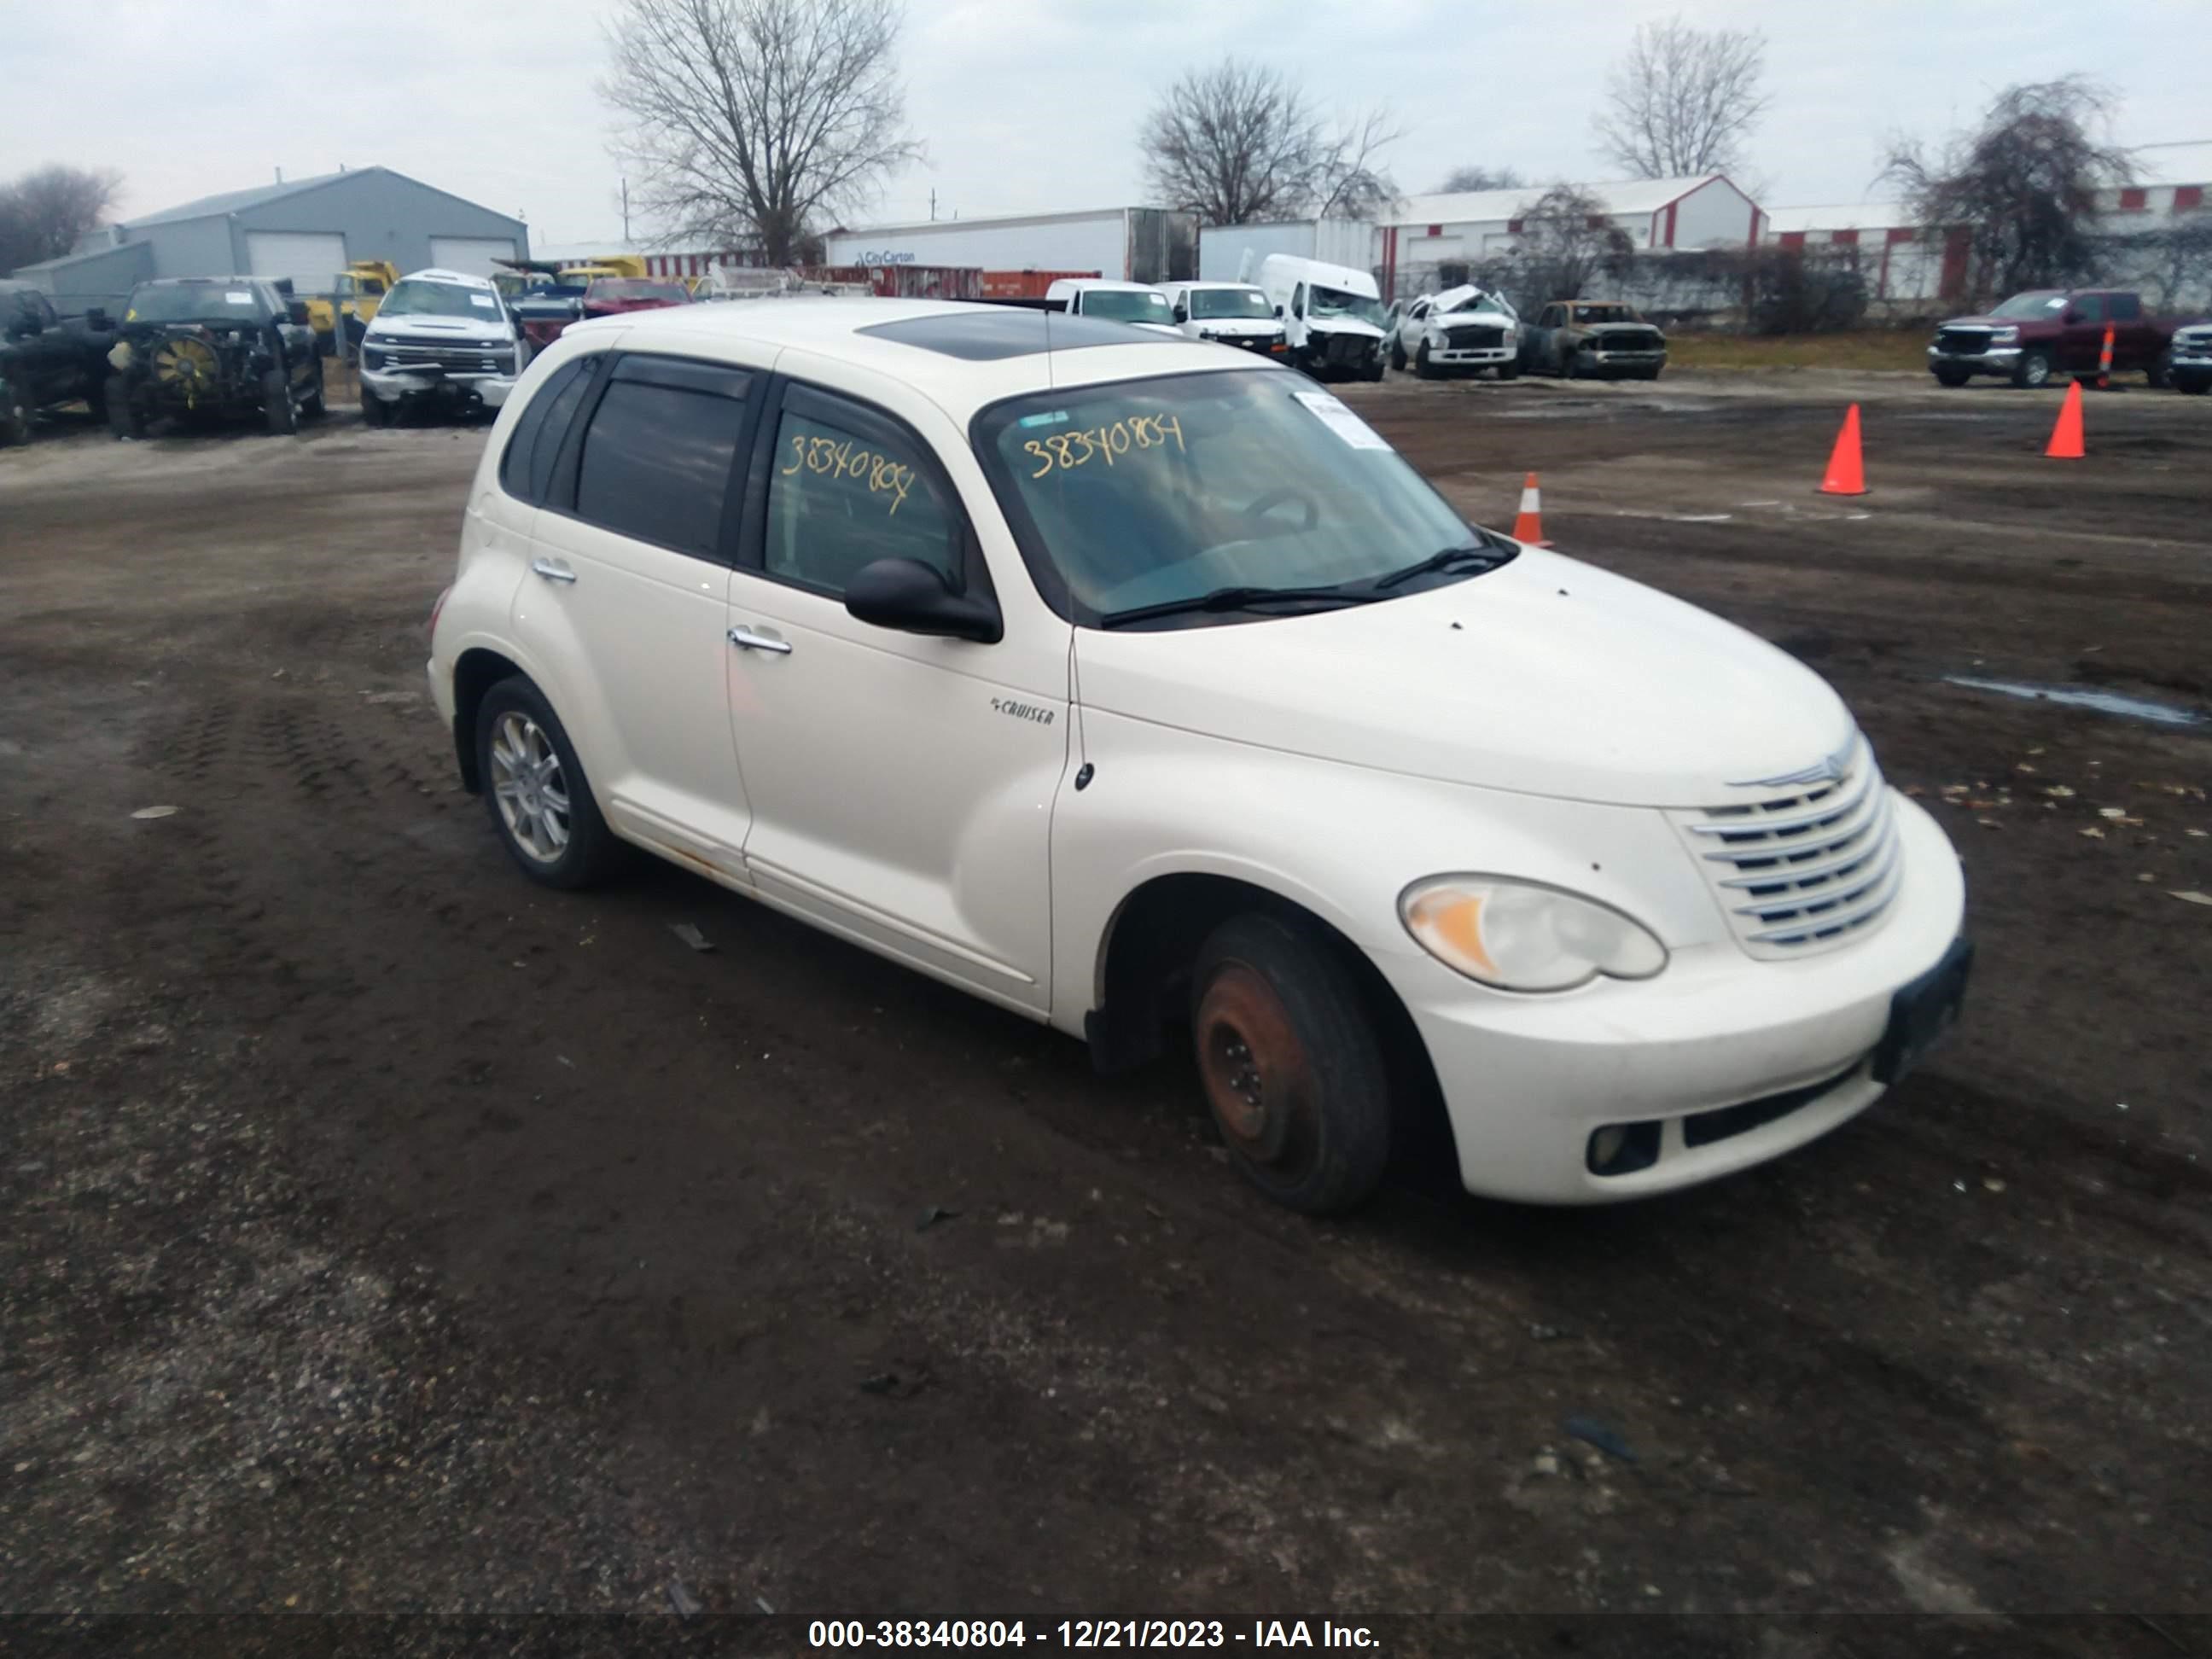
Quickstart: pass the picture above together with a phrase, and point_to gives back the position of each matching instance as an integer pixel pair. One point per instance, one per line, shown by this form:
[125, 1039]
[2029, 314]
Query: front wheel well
[1144, 992]
[476, 673]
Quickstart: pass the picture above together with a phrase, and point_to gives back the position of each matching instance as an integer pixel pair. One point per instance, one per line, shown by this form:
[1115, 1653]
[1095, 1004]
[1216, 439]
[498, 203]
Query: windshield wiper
[1231, 599]
[1477, 556]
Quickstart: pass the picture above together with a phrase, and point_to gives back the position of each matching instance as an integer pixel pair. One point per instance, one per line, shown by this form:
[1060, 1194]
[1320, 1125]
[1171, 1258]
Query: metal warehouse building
[307, 230]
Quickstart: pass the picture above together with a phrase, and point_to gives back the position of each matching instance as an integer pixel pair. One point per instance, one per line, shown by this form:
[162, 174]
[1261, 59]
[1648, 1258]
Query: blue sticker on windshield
[1057, 417]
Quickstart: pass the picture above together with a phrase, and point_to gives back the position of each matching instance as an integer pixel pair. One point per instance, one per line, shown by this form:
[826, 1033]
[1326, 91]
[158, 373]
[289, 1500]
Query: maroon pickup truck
[2035, 336]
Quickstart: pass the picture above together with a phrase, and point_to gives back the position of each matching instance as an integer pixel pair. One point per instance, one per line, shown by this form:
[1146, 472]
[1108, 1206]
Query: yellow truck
[356, 292]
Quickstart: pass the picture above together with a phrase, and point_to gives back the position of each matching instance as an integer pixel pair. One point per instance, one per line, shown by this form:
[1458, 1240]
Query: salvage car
[46, 360]
[2034, 335]
[1135, 685]
[1332, 316]
[1597, 339]
[613, 296]
[441, 341]
[213, 347]
[1459, 331]
[2189, 365]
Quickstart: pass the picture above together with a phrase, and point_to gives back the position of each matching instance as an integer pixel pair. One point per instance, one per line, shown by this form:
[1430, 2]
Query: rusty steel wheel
[1290, 1063]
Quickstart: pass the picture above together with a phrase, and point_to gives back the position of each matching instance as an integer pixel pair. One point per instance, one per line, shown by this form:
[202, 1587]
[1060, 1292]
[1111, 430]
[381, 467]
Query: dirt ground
[383, 1233]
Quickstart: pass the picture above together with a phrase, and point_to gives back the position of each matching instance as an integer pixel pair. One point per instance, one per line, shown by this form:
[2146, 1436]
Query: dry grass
[1898, 348]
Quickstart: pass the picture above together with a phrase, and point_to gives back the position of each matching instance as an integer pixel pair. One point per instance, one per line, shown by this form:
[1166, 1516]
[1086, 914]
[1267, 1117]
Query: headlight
[372, 356]
[2005, 337]
[1519, 936]
[1512, 335]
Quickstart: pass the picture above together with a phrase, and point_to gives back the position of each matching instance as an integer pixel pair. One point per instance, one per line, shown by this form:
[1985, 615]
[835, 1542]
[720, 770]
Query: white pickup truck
[1461, 331]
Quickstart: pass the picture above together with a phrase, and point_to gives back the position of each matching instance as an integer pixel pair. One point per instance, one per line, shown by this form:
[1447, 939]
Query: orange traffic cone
[1528, 525]
[2066, 435]
[1846, 473]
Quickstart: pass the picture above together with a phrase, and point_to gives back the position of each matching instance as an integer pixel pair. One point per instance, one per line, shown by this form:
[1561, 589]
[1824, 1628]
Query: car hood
[1983, 322]
[1237, 327]
[1600, 330]
[1351, 325]
[1547, 677]
[455, 330]
[1452, 298]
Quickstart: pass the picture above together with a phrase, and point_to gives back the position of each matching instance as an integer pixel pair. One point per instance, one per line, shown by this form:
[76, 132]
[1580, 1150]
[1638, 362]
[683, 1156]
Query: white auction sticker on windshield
[237, 296]
[1333, 414]
[483, 300]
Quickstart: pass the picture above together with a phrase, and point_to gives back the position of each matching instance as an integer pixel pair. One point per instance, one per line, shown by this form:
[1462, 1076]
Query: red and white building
[1422, 232]
[662, 262]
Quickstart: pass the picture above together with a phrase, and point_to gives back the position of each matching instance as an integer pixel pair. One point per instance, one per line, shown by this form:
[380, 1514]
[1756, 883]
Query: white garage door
[471, 255]
[312, 260]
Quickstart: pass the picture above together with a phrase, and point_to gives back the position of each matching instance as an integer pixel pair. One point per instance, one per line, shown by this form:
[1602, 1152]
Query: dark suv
[214, 346]
[45, 361]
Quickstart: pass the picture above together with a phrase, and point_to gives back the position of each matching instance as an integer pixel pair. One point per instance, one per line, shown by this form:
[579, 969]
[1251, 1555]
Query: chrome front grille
[1804, 871]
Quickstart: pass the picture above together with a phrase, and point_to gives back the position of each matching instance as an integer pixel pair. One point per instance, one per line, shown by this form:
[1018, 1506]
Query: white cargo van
[1227, 314]
[1332, 316]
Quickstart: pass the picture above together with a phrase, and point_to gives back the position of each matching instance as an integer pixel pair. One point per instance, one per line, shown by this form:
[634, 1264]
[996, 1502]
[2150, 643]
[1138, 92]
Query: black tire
[2195, 385]
[277, 406]
[2034, 368]
[14, 416]
[1508, 371]
[1952, 374]
[557, 835]
[1290, 1063]
[1422, 366]
[1567, 365]
[1372, 372]
[375, 409]
[313, 406]
[1650, 372]
[1397, 354]
[2158, 372]
[124, 418]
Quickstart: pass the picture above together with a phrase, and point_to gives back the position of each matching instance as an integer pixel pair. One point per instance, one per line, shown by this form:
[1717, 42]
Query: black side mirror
[1181, 315]
[907, 595]
[96, 319]
[298, 312]
[1279, 311]
[2072, 316]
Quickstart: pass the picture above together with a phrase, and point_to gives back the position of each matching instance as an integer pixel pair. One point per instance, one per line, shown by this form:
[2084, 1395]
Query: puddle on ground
[2105, 702]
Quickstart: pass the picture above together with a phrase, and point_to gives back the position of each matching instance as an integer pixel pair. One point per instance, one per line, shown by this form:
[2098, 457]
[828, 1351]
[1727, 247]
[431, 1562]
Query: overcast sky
[1025, 106]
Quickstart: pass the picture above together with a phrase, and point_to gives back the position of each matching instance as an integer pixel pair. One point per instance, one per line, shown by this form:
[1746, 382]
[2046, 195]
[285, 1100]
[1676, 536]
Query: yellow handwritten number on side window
[835, 458]
[1066, 451]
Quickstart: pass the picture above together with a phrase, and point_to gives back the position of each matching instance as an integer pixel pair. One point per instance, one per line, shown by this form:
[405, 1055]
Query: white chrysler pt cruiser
[1138, 687]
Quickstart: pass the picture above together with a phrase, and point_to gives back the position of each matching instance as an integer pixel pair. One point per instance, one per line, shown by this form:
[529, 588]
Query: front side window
[1150, 492]
[659, 453]
[2089, 307]
[843, 493]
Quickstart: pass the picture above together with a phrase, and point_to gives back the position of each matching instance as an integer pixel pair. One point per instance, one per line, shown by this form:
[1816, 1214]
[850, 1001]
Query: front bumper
[400, 385]
[1997, 360]
[1264, 346]
[1615, 362]
[1472, 356]
[1527, 1080]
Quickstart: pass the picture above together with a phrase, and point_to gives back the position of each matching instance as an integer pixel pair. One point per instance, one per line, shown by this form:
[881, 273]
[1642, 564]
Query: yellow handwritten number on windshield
[1066, 451]
[837, 458]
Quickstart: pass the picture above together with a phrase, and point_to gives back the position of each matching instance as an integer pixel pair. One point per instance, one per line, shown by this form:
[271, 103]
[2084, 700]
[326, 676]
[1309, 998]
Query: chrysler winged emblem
[1829, 769]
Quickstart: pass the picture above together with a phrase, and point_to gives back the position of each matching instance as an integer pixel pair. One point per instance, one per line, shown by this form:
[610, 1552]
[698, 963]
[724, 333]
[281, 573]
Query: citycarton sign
[884, 257]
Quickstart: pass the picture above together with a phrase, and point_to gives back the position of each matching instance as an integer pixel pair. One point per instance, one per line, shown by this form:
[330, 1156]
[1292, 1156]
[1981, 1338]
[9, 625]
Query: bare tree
[1239, 142]
[750, 120]
[1682, 100]
[43, 213]
[1460, 179]
[1566, 243]
[2022, 185]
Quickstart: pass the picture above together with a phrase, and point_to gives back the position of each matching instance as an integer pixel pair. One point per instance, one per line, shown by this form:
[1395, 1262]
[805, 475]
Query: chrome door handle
[746, 640]
[551, 571]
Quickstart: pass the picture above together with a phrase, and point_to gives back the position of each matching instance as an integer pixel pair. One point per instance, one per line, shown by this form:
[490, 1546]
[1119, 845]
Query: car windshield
[194, 302]
[637, 287]
[1479, 300]
[1126, 305]
[1230, 302]
[1335, 302]
[1602, 314]
[2041, 304]
[418, 299]
[1144, 493]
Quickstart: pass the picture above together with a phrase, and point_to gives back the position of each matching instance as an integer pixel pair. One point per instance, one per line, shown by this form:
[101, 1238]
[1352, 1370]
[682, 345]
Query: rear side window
[527, 468]
[659, 451]
[844, 491]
